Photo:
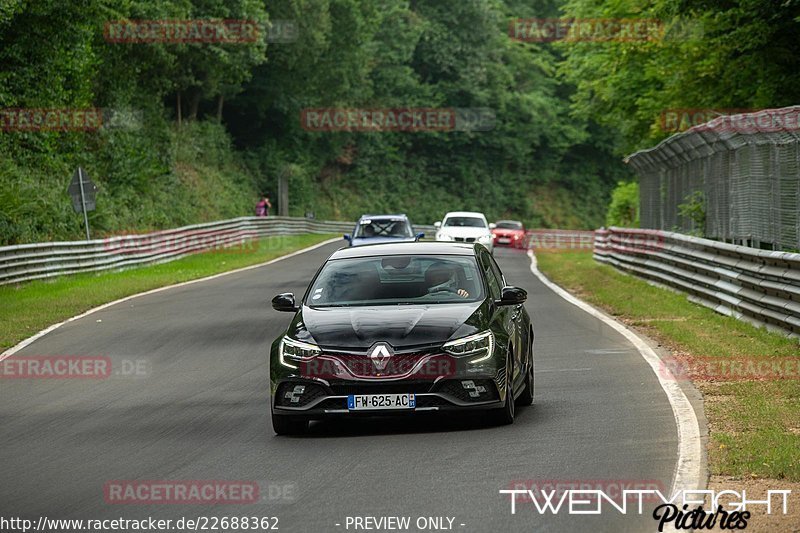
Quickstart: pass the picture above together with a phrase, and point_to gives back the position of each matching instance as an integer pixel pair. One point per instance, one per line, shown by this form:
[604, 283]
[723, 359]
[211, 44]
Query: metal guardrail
[758, 286]
[42, 260]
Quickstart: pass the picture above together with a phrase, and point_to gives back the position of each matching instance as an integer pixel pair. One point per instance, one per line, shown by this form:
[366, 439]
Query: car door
[516, 326]
[502, 322]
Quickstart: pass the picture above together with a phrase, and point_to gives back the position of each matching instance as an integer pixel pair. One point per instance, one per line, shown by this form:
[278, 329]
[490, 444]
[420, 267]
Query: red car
[509, 233]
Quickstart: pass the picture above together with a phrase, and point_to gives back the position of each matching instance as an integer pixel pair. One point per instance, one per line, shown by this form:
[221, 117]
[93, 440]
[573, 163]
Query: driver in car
[441, 277]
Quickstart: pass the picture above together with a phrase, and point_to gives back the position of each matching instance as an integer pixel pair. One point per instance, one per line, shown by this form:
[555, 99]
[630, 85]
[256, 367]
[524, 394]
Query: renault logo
[380, 355]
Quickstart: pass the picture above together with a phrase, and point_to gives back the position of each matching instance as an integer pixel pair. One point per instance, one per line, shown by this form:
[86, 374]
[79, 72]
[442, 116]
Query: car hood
[360, 241]
[401, 326]
[508, 232]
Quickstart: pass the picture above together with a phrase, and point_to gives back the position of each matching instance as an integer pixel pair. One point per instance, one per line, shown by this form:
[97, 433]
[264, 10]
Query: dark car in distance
[379, 229]
[398, 329]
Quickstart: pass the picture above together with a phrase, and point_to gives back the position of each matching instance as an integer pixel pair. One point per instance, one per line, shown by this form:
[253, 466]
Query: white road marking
[688, 470]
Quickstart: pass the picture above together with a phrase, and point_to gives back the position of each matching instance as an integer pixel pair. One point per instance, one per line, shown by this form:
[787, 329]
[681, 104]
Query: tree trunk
[194, 106]
[178, 109]
[220, 101]
[283, 193]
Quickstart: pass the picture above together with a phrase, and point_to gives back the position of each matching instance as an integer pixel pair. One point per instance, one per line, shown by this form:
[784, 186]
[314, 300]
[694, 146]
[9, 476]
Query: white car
[465, 226]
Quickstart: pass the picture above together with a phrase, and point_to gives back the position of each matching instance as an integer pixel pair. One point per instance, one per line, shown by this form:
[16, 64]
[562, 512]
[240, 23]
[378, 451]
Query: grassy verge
[755, 425]
[31, 307]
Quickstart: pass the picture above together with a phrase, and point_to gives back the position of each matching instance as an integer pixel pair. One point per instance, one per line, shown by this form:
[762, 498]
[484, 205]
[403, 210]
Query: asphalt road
[198, 410]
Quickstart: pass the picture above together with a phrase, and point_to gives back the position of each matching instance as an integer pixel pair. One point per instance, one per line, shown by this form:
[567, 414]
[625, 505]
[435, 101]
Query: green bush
[624, 208]
[693, 211]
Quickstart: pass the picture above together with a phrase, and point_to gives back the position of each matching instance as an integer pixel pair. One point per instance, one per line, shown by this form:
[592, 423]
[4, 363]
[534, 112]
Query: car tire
[288, 425]
[505, 415]
[526, 397]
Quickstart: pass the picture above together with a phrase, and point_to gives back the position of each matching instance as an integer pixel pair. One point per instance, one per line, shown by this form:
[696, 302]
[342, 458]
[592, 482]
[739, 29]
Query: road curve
[199, 411]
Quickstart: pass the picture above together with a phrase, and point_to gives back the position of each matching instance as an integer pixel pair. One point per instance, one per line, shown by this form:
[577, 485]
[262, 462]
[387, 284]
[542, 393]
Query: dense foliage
[214, 124]
[711, 54]
[623, 210]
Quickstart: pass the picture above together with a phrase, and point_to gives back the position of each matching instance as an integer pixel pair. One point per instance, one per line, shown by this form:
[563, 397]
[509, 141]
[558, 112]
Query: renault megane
[400, 329]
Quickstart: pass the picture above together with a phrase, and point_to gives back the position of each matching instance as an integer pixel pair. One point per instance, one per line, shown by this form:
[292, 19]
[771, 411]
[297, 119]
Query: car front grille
[400, 387]
[464, 239]
[363, 365]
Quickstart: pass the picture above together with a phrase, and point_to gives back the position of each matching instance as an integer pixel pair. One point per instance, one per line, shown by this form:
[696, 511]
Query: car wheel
[505, 415]
[526, 398]
[288, 425]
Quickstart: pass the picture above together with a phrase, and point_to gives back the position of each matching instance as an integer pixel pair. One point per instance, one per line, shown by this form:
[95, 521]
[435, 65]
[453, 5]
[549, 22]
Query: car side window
[497, 272]
[492, 280]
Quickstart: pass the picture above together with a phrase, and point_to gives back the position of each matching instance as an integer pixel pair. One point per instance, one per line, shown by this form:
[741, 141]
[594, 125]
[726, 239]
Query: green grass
[755, 425]
[30, 307]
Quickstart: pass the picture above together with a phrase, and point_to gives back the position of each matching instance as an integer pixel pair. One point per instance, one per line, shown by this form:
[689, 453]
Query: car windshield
[377, 227]
[396, 280]
[505, 224]
[471, 222]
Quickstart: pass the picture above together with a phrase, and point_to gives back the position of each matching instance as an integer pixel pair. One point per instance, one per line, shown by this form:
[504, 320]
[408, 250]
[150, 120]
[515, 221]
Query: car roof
[406, 248]
[512, 221]
[464, 214]
[384, 217]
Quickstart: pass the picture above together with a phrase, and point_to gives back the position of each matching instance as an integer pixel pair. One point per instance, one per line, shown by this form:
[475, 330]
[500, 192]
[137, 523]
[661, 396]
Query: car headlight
[480, 346]
[443, 237]
[487, 237]
[296, 351]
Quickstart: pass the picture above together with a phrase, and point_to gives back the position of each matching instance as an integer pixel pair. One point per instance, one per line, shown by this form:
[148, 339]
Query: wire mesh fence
[734, 179]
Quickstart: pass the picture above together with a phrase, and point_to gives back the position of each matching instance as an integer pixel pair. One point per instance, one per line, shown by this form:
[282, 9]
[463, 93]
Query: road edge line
[689, 468]
[22, 344]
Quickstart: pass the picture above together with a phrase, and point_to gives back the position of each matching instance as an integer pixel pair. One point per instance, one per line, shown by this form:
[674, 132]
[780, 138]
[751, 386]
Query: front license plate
[504, 240]
[365, 402]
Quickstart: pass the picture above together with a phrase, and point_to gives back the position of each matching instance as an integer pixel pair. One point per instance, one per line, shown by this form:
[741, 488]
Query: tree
[737, 54]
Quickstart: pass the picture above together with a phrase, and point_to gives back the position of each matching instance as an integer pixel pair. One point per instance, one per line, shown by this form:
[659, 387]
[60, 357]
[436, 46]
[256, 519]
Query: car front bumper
[322, 400]
[509, 240]
[440, 382]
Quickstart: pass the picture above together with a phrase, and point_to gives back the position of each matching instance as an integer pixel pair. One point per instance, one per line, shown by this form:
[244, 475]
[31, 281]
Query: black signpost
[83, 193]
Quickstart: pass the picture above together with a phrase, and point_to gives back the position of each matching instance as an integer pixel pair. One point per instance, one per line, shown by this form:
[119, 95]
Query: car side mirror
[348, 238]
[437, 225]
[284, 302]
[419, 236]
[512, 296]
[492, 225]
